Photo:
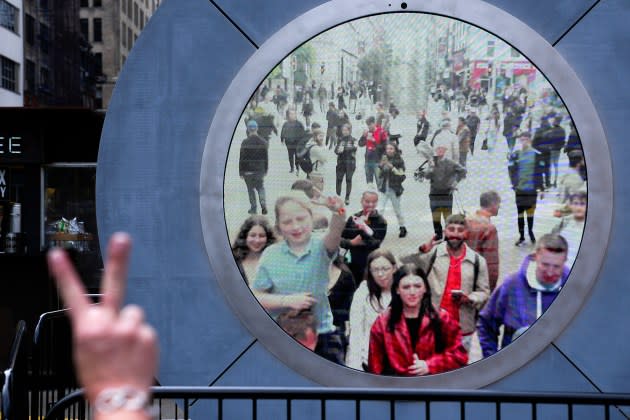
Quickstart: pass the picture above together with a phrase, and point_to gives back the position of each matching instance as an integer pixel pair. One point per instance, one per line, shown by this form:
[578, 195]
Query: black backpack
[303, 158]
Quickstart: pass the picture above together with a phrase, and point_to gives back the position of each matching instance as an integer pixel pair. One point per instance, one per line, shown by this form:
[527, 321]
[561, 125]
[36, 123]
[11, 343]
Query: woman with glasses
[371, 298]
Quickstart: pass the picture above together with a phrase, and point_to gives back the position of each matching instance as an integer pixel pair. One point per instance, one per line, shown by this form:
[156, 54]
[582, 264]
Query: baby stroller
[425, 151]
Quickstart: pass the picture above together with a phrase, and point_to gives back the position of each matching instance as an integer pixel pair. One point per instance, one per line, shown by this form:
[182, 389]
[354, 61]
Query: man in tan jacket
[458, 276]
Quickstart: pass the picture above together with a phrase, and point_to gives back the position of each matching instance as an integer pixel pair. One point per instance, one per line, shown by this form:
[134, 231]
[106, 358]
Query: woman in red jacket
[412, 338]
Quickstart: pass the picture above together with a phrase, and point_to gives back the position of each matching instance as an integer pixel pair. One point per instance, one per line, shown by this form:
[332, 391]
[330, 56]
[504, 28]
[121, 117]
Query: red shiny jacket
[391, 352]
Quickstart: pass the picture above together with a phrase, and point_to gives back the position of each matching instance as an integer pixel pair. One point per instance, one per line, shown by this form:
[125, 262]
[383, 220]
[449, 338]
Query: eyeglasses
[380, 270]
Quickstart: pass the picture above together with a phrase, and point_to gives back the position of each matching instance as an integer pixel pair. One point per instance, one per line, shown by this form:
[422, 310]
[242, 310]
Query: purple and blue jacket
[516, 304]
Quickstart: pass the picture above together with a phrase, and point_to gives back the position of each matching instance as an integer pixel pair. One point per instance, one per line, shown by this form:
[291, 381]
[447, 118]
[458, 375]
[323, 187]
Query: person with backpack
[413, 337]
[346, 151]
[457, 275]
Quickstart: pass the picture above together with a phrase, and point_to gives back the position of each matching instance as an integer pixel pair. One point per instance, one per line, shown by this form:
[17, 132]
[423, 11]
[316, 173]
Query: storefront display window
[70, 215]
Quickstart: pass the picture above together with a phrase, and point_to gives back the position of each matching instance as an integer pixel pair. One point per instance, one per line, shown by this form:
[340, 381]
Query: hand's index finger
[68, 283]
[115, 273]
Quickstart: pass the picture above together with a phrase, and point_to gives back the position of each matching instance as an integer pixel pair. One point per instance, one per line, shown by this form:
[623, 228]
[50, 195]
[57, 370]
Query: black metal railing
[460, 402]
[14, 403]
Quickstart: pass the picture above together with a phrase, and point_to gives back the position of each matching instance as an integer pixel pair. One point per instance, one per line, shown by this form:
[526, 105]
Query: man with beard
[525, 295]
[364, 232]
[458, 276]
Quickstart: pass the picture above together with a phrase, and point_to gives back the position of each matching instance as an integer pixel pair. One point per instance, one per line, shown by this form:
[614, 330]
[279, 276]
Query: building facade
[112, 28]
[11, 53]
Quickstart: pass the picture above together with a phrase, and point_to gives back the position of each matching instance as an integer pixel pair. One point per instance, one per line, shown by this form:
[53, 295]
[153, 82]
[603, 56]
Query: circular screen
[405, 194]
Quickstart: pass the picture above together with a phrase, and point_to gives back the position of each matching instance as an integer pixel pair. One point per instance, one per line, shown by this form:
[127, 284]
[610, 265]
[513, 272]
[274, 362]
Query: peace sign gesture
[113, 348]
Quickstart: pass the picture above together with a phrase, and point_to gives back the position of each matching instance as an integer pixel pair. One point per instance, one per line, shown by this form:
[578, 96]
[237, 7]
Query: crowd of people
[321, 271]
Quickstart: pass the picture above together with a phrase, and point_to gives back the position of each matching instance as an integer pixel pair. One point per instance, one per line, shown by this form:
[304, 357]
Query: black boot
[403, 232]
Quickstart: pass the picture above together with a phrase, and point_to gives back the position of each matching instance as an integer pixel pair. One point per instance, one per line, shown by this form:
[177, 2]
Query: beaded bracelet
[127, 398]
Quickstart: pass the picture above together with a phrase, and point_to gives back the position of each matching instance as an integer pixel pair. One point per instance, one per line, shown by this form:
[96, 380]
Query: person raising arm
[115, 350]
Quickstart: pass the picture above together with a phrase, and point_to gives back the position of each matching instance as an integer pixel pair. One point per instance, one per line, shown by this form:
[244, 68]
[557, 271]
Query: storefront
[47, 190]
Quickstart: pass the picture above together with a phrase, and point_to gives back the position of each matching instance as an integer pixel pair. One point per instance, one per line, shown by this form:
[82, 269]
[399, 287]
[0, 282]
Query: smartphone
[457, 292]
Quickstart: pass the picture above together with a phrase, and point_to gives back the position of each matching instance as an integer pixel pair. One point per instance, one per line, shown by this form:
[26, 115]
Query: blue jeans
[370, 170]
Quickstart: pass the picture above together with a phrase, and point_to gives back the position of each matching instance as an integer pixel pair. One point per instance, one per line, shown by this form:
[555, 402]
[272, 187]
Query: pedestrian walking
[526, 182]
[291, 135]
[423, 127]
[391, 178]
[346, 151]
[253, 165]
[444, 174]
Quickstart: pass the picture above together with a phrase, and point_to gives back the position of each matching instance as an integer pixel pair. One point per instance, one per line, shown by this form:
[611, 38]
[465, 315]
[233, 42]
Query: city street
[486, 171]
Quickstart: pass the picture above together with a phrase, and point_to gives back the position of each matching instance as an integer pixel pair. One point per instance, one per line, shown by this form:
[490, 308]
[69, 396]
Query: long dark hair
[373, 288]
[239, 247]
[426, 307]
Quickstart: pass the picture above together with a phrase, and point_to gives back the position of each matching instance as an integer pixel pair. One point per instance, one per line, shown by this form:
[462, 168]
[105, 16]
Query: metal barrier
[52, 374]
[459, 399]
[14, 404]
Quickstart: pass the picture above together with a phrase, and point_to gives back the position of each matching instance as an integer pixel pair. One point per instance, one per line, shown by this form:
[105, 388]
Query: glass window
[98, 63]
[70, 214]
[129, 38]
[44, 78]
[85, 3]
[44, 37]
[10, 74]
[30, 76]
[9, 16]
[135, 13]
[141, 19]
[129, 8]
[96, 3]
[30, 29]
[436, 158]
[98, 100]
[85, 28]
[98, 30]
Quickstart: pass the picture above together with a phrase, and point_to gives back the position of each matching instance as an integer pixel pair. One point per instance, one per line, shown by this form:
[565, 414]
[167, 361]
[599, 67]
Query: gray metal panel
[597, 340]
[261, 20]
[149, 170]
[258, 367]
[535, 376]
[147, 183]
[549, 18]
[597, 228]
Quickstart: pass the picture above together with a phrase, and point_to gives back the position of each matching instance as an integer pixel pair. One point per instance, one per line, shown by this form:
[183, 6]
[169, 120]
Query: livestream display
[405, 194]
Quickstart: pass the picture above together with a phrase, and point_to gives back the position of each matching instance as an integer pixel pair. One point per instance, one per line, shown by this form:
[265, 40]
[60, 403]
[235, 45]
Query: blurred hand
[428, 246]
[300, 301]
[113, 348]
[357, 241]
[460, 299]
[418, 367]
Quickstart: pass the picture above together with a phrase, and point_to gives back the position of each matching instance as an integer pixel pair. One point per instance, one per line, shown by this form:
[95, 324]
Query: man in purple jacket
[525, 295]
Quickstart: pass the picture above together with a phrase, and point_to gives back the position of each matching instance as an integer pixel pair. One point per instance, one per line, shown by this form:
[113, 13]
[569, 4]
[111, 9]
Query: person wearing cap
[253, 164]
[444, 174]
[525, 175]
